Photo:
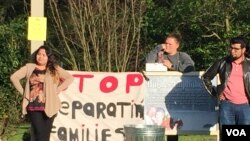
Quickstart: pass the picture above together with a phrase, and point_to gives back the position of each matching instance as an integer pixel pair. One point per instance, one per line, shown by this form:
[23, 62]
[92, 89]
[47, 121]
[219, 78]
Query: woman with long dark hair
[44, 81]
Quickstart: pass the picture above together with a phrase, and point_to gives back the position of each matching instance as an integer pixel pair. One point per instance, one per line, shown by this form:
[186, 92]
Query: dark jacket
[223, 68]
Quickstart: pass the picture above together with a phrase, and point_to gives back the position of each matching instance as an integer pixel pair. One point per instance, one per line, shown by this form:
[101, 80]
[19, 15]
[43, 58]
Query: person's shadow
[190, 106]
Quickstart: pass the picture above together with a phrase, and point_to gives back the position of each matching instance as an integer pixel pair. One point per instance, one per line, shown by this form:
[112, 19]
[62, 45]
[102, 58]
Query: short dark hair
[176, 35]
[238, 40]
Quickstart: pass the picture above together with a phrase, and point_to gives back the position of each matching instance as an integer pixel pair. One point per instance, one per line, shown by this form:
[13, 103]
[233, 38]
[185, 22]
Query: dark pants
[41, 125]
[172, 137]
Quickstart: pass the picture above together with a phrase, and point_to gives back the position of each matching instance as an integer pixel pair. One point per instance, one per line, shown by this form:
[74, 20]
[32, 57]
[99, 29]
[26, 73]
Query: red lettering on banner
[81, 78]
[133, 80]
[108, 84]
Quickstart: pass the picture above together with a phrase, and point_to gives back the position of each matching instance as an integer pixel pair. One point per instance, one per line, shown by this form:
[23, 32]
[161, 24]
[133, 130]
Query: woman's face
[42, 57]
[171, 46]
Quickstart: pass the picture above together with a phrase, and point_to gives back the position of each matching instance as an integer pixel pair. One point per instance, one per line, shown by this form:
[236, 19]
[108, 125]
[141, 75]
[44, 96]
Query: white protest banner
[97, 105]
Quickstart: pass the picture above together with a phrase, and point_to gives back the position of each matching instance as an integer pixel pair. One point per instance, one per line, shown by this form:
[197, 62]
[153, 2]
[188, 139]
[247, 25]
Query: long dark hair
[52, 63]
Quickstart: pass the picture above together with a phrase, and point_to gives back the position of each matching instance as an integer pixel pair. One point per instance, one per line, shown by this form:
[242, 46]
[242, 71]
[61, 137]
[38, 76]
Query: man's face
[171, 46]
[236, 51]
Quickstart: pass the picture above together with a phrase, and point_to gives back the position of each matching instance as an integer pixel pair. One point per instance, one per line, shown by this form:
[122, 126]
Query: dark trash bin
[142, 132]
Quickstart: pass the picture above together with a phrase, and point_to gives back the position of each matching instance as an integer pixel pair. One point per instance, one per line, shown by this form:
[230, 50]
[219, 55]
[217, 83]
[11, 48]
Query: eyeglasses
[234, 48]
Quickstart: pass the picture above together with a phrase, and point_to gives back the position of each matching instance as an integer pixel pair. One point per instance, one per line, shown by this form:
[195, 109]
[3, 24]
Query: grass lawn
[20, 135]
[197, 138]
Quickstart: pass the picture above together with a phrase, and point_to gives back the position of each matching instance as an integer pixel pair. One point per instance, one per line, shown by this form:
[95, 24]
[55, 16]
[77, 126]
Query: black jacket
[223, 68]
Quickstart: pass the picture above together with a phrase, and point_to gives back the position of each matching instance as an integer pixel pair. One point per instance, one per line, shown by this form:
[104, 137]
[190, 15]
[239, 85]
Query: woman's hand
[168, 64]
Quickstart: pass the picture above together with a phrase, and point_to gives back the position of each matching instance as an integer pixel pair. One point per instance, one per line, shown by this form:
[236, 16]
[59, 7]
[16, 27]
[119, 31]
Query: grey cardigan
[181, 61]
[51, 88]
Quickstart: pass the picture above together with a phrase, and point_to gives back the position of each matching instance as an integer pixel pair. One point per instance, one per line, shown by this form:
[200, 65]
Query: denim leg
[243, 114]
[226, 113]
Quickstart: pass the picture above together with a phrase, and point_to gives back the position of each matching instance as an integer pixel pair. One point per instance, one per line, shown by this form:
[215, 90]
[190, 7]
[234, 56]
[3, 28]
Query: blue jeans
[234, 114]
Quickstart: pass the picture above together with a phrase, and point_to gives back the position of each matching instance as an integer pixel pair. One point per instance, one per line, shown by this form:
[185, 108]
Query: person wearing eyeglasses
[233, 92]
